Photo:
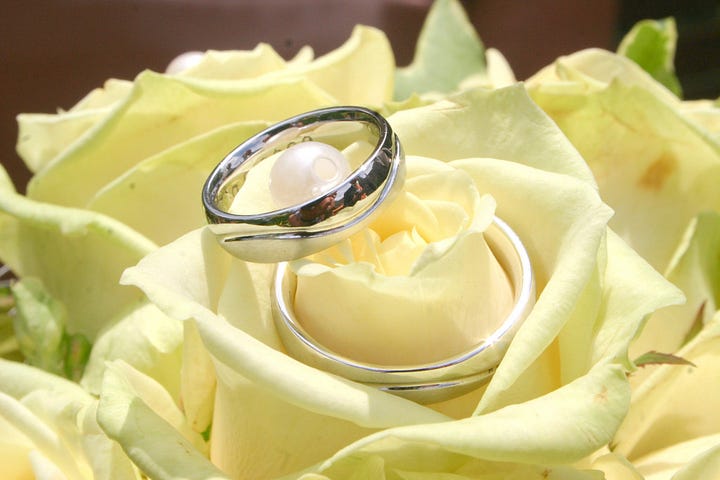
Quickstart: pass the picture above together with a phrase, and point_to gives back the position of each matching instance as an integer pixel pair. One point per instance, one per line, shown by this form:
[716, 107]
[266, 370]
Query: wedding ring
[426, 383]
[322, 220]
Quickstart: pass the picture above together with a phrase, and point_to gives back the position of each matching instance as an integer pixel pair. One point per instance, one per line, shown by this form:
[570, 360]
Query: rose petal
[136, 199]
[485, 123]
[157, 448]
[236, 64]
[41, 137]
[267, 419]
[181, 290]
[561, 427]
[696, 270]
[198, 380]
[693, 459]
[14, 450]
[121, 140]
[145, 338]
[616, 467]
[360, 72]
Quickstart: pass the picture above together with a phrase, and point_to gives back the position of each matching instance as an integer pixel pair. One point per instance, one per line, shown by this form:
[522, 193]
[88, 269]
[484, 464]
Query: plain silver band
[303, 229]
[428, 383]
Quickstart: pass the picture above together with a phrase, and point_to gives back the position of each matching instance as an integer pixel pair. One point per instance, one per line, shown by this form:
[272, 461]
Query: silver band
[428, 383]
[303, 229]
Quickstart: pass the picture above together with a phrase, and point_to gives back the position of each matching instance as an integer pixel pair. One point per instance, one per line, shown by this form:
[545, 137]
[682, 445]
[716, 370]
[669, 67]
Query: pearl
[183, 62]
[306, 171]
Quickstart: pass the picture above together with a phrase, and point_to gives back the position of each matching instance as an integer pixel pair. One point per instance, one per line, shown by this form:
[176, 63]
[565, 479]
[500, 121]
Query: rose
[93, 207]
[655, 158]
[145, 330]
[106, 191]
[272, 415]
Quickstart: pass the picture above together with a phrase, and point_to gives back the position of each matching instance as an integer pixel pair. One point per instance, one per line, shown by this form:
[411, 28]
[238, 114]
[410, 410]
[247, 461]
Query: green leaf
[651, 44]
[8, 342]
[39, 324]
[448, 51]
[6, 299]
[658, 358]
[77, 353]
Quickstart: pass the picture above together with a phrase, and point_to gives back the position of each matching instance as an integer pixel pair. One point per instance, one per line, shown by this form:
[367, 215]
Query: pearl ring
[320, 197]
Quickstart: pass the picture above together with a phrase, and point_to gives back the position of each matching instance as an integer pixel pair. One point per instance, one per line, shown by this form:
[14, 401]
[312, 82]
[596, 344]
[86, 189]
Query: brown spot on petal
[602, 396]
[658, 172]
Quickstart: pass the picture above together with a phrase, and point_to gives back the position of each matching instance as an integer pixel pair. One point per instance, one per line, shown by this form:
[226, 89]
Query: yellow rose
[559, 393]
[192, 378]
[656, 159]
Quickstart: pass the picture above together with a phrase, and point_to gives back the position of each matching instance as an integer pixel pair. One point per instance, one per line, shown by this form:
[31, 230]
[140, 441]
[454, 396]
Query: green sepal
[39, 324]
[651, 44]
[658, 358]
[448, 51]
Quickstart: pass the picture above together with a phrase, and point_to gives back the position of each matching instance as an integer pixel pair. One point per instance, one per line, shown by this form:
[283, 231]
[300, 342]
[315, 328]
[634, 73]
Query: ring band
[300, 230]
[426, 383]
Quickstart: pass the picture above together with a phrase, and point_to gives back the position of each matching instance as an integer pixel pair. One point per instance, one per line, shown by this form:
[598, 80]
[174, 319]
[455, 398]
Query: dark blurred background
[52, 52]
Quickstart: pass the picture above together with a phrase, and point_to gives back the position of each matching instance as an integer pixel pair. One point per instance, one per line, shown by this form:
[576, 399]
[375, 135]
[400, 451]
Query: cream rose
[657, 162]
[192, 379]
[269, 415]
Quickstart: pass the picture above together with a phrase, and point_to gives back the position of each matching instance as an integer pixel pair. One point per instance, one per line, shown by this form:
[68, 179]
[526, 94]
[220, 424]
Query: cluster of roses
[136, 347]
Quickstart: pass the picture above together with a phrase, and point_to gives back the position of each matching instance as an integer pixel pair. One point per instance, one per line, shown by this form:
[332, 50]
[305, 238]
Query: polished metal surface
[427, 383]
[303, 229]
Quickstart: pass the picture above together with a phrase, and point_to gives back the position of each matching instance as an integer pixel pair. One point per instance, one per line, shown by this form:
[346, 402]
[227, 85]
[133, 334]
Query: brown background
[52, 52]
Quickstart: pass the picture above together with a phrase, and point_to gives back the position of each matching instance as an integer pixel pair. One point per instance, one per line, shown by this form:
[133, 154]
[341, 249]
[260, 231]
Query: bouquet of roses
[134, 346]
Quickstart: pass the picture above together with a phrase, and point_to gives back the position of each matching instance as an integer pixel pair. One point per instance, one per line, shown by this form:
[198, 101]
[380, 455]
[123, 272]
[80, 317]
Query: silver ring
[427, 383]
[306, 228]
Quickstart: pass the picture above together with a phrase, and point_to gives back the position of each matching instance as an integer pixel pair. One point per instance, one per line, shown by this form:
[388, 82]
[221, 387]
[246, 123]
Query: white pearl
[183, 62]
[305, 171]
